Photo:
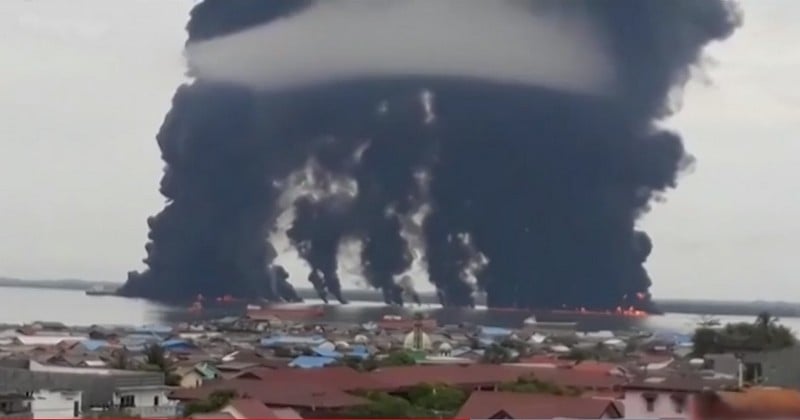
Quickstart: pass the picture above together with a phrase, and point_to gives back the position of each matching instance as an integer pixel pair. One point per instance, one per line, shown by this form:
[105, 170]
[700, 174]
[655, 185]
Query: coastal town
[285, 363]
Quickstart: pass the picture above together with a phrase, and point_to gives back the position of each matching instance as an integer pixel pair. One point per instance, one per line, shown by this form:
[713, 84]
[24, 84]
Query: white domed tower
[417, 339]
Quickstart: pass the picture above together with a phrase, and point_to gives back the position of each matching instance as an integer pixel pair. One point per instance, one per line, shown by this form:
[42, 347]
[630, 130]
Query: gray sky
[84, 86]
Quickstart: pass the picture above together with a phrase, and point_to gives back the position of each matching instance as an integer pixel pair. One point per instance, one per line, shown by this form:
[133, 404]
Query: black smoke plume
[525, 170]
[317, 231]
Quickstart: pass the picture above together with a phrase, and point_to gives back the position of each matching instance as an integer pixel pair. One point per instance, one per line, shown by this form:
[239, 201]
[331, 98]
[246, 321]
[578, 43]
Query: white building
[140, 394]
[56, 404]
[145, 401]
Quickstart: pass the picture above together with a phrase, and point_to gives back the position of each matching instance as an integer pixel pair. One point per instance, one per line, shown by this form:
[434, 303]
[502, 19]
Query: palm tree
[765, 321]
[707, 321]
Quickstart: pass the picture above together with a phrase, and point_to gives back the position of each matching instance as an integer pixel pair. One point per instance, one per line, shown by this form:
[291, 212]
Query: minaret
[419, 344]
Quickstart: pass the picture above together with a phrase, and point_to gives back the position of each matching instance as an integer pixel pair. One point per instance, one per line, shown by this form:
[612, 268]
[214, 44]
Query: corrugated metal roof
[485, 405]
[175, 342]
[94, 345]
[307, 362]
[359, 349]
[292, 340]
[47, 340]
[495, 331]
[322, 352]
[154, 329]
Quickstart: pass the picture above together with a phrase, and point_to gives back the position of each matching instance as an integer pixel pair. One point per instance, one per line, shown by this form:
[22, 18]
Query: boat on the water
[513, 310]
[396, 322]
[288, 312]
[627, 312]
[100, 291]
[531, 321]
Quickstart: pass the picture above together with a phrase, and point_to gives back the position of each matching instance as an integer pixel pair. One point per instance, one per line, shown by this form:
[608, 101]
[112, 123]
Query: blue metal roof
[176, 343]
[310, 362]
[292, 339]
[94, 345]
[141, 338]
[359, 349]
[495, 331]
[154, 329]
[327, 353]
[486, 341]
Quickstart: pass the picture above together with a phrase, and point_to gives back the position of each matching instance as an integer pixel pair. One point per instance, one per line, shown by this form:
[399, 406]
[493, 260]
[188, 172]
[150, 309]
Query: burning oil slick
[516, 139]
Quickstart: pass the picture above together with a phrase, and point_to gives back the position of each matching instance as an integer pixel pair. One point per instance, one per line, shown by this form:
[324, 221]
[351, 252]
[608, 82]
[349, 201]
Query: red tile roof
[303, 388]
[594, 366]
[338, 377]
[328, 387]
[485, 405]
[546, 360]
[286, 394]
[211, 416]
[488, 375]
[254, 373]
[251, 409]
[286, 413]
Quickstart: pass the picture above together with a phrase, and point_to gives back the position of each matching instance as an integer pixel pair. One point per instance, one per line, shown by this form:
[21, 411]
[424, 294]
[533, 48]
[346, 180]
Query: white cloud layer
[498, 40]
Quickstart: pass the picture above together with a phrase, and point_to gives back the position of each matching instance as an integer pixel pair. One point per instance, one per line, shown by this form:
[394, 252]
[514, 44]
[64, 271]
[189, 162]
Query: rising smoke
[525, 129]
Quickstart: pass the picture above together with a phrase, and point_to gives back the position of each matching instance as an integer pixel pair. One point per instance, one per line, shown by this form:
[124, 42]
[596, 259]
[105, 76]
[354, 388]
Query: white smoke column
[351, 270]
[309, 181]
[336, 40]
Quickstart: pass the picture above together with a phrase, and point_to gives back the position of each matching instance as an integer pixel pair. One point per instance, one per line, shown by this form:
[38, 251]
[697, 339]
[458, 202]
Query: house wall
[144, 397]
[191, 380]
[778, 368]
[664, 406]
[56, 404]
[144, 402]
[14, 407]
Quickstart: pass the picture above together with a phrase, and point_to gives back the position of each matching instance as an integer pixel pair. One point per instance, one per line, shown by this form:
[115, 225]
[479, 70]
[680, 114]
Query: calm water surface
[20, 305]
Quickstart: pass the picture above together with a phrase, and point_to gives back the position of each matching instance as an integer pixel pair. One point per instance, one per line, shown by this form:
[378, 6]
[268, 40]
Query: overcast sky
[85, 84]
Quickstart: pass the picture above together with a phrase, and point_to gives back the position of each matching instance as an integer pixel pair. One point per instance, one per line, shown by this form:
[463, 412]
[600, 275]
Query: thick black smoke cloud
[545, 185]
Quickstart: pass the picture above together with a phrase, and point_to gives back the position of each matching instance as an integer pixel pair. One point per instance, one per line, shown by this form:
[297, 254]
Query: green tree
[705, 341]
[439, 398]
[530, 384]
[497, 354]
[386, 406]
[517, 345]
[155, 356]
[120, 359]
[365, 365]
[765, 333]
[578, 354]
[398, 358]
[765, 321]
[216, 401]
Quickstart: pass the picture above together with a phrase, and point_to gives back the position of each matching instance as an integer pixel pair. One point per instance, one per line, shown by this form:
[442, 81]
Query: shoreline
[681, 306]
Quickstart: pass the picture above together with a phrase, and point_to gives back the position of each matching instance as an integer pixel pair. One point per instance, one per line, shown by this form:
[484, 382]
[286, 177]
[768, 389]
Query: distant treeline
[65, 284]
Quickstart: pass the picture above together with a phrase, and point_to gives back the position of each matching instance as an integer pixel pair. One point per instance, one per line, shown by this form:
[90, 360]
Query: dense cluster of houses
[279, 369]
